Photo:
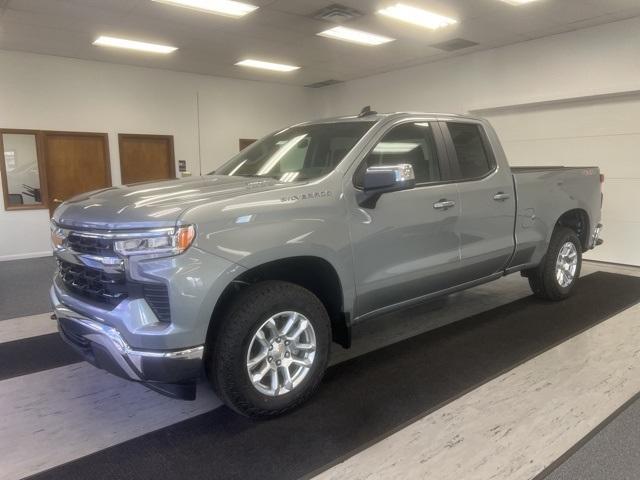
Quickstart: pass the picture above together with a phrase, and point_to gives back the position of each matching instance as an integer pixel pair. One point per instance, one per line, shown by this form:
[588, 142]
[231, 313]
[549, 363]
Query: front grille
[109, 288]
[90, 245]
[105, 288]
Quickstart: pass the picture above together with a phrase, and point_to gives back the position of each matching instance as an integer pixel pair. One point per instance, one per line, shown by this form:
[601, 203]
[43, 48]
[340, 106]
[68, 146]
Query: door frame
[172, 157]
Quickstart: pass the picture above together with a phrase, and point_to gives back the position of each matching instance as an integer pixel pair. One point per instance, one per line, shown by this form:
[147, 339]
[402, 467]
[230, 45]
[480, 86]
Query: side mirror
[384, 179]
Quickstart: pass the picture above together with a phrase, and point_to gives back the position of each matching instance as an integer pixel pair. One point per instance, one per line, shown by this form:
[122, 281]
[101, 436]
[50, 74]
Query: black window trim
[441, 151]
[453, 156]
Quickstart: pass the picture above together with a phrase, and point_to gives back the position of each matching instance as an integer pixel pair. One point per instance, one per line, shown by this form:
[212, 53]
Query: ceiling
[285, 31]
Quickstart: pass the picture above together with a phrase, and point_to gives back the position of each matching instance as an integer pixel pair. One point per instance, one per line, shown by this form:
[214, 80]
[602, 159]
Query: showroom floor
[517, 389]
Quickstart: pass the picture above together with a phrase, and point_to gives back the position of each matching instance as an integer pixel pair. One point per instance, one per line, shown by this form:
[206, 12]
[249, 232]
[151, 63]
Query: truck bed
[543, 194]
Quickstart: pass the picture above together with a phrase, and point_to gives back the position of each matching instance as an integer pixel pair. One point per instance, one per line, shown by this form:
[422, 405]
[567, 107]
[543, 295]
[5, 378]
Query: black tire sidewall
[252, 308]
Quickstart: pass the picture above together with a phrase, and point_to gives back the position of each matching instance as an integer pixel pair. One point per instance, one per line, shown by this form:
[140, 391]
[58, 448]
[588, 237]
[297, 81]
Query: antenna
[366, 111]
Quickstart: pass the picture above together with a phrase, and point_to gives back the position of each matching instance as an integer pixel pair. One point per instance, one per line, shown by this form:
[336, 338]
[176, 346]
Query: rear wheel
[270, 349]
[559, 270]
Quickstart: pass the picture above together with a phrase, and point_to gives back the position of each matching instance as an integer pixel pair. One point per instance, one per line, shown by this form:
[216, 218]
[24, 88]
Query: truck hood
[154, 204]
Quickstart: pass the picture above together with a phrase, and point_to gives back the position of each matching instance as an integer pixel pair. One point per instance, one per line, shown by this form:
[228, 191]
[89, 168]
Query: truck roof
[374, 116]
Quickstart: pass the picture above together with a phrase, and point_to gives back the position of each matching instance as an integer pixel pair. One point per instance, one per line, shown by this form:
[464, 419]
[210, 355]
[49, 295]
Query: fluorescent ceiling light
[133, 45]
[417, 16]
[355, 36]
[518, 2]
[277, 67]
[228, 8]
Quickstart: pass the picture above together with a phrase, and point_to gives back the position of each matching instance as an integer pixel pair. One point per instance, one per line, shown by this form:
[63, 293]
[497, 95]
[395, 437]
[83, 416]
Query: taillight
[601, 185]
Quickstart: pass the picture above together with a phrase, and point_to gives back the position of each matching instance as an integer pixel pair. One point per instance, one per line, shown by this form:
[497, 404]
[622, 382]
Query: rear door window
[471, 150]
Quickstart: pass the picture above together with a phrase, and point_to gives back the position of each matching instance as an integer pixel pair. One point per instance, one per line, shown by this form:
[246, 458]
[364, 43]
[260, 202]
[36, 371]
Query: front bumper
[171, 372]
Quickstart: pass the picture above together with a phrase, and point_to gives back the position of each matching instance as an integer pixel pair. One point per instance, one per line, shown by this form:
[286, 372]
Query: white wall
[603, 132]
[522, 87]
[557, 100]
[53, 93]
[598, 60]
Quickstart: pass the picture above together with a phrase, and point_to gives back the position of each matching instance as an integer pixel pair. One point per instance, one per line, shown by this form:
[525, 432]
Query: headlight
[58, 237]
[167, 243]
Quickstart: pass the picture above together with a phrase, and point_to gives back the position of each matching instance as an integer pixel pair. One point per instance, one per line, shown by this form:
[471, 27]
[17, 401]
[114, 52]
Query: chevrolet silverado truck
[249, 273]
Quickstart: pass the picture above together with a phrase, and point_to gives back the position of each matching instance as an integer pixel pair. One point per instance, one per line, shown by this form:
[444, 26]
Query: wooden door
[145, 158]
[75, 163]
[245, 142]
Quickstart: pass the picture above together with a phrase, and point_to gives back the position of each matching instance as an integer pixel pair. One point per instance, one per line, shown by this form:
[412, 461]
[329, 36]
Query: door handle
[444, 204]
[501, 197]
[55, 200]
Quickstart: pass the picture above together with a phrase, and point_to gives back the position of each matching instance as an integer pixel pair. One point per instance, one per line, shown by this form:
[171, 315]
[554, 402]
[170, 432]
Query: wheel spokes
[302, 326]
[258, 358]
[286, 374]
[275, 381]
[259, 375]
[273, 328]
[291, 321]
[281, 353]
[303, 362]
[305, 346]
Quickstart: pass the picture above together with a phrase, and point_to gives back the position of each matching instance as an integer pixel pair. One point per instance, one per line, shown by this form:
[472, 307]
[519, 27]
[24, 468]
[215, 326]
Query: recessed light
[417, 16]
[228, 8]
[355, 36]
[133, 45]
[276, 67]
[518, 2]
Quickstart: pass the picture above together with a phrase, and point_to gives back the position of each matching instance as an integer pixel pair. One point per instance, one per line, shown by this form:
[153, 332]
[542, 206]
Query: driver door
[407, 245]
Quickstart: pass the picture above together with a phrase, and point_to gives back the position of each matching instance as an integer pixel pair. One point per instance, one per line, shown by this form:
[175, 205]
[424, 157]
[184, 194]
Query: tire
[544, 280]
[236, 342]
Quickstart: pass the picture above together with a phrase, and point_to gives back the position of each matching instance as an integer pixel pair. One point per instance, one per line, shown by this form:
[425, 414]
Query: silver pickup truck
[250, 272]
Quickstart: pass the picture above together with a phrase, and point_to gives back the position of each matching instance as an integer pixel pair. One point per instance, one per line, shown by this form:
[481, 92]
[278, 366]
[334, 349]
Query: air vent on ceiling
[336, 13]
[324, 83]
[454, 44]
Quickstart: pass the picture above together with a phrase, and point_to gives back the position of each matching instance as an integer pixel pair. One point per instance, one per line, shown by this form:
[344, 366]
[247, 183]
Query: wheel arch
[576, 219]
[314, 273]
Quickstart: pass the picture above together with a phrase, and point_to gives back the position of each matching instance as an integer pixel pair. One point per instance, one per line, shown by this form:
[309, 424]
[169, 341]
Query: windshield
[297, 153]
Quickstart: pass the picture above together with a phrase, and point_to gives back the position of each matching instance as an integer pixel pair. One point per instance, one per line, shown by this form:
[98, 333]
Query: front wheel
[559, 270]
[270, 350]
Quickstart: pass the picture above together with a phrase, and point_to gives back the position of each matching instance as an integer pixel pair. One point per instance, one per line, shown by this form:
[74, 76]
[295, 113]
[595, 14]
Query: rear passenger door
[487, 200]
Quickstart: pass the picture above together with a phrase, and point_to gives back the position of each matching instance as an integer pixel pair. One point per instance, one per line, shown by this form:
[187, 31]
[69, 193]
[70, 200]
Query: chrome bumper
[173, 373]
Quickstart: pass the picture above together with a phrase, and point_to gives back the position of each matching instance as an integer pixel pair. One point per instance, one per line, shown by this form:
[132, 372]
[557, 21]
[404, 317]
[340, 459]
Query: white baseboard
[21, 256]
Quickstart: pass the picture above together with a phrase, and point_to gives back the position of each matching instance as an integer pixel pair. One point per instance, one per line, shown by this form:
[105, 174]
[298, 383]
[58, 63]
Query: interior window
[473, 160]
[21, 170]
[411, 143]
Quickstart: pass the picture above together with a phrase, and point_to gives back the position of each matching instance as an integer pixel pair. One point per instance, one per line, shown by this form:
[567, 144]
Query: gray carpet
[24, 287]
[611, 454]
